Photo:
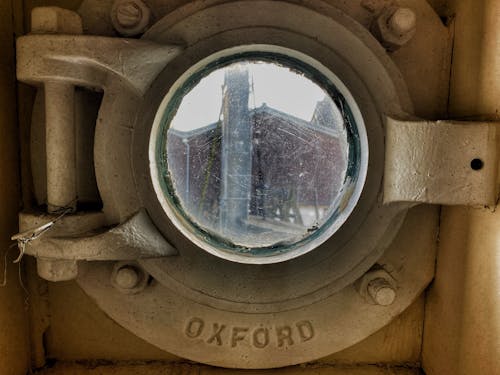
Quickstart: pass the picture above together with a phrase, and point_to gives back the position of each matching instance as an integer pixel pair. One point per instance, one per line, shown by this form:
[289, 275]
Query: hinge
[442, 162]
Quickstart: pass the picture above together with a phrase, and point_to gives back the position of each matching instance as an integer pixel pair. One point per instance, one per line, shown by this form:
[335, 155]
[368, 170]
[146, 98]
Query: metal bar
[60, 146]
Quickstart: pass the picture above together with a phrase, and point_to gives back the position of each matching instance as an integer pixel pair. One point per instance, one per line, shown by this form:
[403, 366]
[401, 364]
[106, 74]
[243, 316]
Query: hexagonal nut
[395, 27]
[377, 287]
[130, 17]
[129, 278]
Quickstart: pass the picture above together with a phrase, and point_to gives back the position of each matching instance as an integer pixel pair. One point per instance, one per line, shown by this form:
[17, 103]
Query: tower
[236, 160]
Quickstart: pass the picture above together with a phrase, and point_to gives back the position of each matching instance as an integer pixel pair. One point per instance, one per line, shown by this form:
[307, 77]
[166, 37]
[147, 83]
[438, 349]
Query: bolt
[128, 14]
[127, 277]
[381, 292]
[377, 287]
[394, 27]
[402, 21]
[130, 17]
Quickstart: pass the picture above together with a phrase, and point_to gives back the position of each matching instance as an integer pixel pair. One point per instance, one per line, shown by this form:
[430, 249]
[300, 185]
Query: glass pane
[257, 154]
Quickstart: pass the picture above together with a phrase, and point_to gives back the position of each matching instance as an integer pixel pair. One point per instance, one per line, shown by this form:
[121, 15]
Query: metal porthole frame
[229, 314]
[99, 221]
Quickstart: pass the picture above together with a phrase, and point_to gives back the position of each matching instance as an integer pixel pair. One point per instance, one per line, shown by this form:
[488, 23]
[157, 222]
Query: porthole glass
[257, 154]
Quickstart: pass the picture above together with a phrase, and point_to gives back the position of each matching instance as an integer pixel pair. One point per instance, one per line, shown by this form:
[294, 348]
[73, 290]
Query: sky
[277, 86]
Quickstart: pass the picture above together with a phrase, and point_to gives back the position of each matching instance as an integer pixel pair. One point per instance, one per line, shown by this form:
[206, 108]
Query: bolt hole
[477, 164]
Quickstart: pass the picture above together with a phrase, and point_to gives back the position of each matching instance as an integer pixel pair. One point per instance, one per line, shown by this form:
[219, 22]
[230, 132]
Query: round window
[258, 156]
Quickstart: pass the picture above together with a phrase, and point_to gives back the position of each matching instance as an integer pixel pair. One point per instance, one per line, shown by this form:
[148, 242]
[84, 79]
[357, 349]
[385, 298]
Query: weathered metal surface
[57, 269]
[60, 62]
[134, 239]
[395, 26]
[377, 287]
[443, 162]
[91, 61]
[60, 129]
[129, 278]
[266, 316]
[462, 320]
[55, 20]
[60, 139]
[174, 321]
[263, 309]
[130, 17]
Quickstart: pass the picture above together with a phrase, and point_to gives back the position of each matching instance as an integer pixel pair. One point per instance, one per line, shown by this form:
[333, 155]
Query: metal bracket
[137, 238]
[443, 162]
[91, 61]
[57, 57]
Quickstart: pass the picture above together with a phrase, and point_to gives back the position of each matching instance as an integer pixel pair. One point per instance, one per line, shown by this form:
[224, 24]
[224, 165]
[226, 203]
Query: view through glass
[257, 154]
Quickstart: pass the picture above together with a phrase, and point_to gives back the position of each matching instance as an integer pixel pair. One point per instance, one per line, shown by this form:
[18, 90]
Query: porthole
[258, 156]
[290, 278]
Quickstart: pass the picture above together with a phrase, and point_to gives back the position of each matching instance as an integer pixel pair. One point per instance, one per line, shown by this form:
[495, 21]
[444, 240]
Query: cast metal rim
[340, 273]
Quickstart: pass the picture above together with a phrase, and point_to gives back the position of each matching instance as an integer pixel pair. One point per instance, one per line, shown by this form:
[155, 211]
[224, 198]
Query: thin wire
[4, 281]
[19, 275]
[26, 292]
[24, 238]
